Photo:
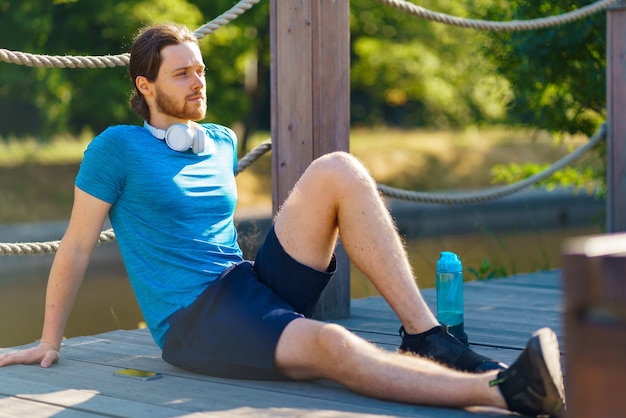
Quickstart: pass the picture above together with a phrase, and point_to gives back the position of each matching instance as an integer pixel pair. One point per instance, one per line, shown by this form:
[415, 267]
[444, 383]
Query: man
[169, 190]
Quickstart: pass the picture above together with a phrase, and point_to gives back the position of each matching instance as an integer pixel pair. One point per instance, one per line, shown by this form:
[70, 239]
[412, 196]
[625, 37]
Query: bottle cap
[449, 263]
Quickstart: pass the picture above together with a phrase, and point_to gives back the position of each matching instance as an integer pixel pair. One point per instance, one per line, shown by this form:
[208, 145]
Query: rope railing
[68, 61]
[513, 25]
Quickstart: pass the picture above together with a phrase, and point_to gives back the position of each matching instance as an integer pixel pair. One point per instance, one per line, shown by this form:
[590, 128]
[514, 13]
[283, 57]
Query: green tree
[557, 77]
[405, 71]
[48, 100]
[557, 74]
[411, 72]
[22, 88]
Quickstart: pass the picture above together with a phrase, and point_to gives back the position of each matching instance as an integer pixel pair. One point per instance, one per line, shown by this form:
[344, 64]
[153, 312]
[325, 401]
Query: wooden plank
[548, 280]
[616, 123]
[120, 355]
[92, 378]
[184, 393]
[95, 389]
[310, 106]
[12, 407]
[502, 319]
[53, 393]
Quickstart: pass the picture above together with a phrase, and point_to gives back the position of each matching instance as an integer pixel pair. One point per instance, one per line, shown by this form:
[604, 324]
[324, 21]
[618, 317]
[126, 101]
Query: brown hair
[145, 57]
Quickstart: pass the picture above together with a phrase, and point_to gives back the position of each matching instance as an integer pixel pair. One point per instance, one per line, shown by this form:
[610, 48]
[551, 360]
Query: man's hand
[46, 354]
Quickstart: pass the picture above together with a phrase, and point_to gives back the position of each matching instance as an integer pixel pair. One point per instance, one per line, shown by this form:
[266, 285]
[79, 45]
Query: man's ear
[143, 85]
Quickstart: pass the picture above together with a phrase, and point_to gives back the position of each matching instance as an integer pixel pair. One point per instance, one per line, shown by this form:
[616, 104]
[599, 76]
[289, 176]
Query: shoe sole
[544, 346]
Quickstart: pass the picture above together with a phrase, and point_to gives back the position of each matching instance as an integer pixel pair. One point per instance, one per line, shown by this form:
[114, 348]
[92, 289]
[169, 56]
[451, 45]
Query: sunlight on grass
[39, 178]
[440, 160]
[371, 144]
[60, 150]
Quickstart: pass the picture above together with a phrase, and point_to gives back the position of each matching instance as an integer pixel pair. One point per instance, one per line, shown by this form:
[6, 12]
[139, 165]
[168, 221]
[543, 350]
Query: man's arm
[66, 276]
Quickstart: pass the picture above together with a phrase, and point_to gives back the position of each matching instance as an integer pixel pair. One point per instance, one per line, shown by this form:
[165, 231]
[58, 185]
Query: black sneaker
[533, 385]
[443, 347]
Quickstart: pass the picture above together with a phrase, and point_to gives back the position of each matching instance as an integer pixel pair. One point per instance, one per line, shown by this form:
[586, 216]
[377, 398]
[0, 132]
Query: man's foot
[443, 347]
[533, 385]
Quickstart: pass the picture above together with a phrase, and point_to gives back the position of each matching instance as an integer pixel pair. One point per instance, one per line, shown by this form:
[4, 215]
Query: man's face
[180, 87]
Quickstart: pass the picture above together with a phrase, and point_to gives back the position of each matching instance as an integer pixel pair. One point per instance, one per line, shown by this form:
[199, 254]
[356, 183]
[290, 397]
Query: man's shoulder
[119, 134]
[218, 129]
[123, 130]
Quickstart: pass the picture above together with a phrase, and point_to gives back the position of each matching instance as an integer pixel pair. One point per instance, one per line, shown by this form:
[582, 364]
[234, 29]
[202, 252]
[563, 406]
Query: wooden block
[594, 271]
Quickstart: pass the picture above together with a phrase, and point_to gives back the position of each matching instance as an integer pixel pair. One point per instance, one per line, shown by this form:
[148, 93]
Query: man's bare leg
[336, 195]
[309, 349]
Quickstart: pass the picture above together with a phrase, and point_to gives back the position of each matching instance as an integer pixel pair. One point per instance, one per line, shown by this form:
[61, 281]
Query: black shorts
[233, 327]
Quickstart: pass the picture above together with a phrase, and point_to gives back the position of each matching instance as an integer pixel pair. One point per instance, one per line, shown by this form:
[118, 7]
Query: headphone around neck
[180, 137]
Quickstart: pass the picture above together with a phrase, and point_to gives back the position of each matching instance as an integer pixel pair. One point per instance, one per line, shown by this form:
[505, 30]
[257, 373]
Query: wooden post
[595, 325]
[310, 105]
[616, 124]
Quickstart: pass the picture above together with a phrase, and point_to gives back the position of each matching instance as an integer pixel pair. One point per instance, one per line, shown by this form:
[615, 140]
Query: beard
[187, 110]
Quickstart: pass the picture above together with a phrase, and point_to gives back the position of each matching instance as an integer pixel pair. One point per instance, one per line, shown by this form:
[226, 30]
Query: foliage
[405, 71]
[584, 178]
[19, 92]
[557, 77]
[557, 74]
[411, 72]
[486, 270]
[44, 101]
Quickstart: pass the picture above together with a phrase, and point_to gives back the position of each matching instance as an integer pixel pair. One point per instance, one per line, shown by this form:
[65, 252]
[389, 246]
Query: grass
[36, 178]
[429, 160]
[62, 149]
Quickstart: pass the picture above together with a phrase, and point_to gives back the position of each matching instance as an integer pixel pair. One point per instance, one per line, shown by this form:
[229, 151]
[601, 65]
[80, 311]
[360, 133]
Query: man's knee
[340, 169]
[336, 160]
[315, 338]
[308, 349]
[335, 341]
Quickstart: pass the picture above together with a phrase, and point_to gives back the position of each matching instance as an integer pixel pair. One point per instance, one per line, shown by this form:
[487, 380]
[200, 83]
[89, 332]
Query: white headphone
[180, 137]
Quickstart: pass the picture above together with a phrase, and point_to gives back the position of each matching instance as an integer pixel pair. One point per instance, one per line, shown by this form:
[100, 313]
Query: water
[106, 302]
[449, 297]
[450, 318]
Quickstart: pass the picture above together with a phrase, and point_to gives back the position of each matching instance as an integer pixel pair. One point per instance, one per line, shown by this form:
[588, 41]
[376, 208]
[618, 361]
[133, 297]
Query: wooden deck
[500, 316]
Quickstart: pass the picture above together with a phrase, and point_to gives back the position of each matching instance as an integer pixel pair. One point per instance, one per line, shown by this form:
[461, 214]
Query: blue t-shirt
[172, 213]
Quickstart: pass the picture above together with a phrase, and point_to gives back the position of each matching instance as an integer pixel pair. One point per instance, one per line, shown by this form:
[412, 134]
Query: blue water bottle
[450, 295]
